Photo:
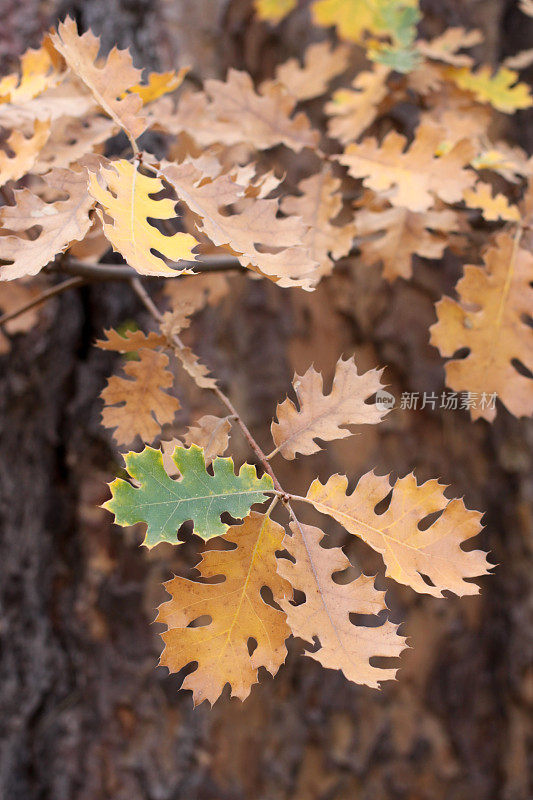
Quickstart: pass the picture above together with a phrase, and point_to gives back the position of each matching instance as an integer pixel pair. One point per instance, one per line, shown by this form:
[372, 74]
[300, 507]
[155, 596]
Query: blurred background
[85, 714]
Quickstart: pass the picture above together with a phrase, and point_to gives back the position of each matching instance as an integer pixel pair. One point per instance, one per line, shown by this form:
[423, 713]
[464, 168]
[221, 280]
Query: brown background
[84, 712]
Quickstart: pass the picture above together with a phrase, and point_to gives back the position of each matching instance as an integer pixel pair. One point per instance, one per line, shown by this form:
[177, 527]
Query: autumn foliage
[79, 181]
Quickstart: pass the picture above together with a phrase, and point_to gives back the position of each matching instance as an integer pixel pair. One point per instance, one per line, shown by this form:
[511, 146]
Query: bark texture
[84, 712]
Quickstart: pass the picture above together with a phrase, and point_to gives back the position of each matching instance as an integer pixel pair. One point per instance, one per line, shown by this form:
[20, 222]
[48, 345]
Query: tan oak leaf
[322, 63]
[25, 152]
[211, 434]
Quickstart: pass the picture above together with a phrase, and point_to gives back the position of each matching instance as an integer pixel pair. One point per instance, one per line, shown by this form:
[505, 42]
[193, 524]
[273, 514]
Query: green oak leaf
[165, 504]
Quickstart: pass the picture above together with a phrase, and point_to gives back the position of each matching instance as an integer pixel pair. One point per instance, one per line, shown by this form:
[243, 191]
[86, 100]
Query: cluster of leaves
[386, 197]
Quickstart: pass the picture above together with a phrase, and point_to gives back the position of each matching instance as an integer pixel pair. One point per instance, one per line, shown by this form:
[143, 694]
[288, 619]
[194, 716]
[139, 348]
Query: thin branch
[114, 272]
[175, 340]
[71, 283]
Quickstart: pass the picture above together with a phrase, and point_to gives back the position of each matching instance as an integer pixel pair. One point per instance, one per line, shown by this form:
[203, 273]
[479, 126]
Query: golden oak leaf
[125, 195]
[159, 83]
[325, 614]
[71, 139]
[501, 90]
[351, 111]
[322, 63]
[139, 407]
[325, 416]
[211, 434]
[319, 203]
[491, 320]
[236, 610]
[493, 207]
[39, 70]
[130, 342]
[409, 553]
[274, 10]
[412, 178]
[107, 80]
[396, 234]
[231, 112]
[446, 47]
[25, 152]
[59, 223]
[353, 18]
[261, 240]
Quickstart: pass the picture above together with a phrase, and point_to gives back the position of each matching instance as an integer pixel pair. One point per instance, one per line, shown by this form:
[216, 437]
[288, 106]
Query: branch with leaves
[375, 192]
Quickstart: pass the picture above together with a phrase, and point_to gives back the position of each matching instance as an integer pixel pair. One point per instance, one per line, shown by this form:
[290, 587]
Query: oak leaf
[159, 84]
[39, 70]
[237, 613]
[325, 416]
[137, 405]
[274, 10]
[493, 207]
[408, 551]
[322, 63]
[211, 434]
[125, 196]
[501, 90]
[412, 178]
[325, 614]
[130, 342]
[319, 203]
[71, 139]
[446, 47]
[60, 224]
[261, 240]
[165, 504]
[490, 319]
[351, 111]
[107, 79]
[353, 18]
[396, 234]
[25, 152]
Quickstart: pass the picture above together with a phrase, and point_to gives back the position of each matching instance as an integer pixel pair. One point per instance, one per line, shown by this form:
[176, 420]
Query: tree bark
[85, 713]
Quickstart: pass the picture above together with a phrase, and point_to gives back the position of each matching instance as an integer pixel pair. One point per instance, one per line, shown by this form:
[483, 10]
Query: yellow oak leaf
[159, 84]
[353, 18]
[322, 63]
[106, 79]
[351, 111]
[25, 152]
[394, 235]
[493, 207]
[320, 202]
[500, 89]
[125, 196]
[237, 613]
[325, 613]
[409, 552]
[59, 223]
[39, 70]
[274, 10]
[490, 319]
[137, 405]
[413, 177]
[325, 416]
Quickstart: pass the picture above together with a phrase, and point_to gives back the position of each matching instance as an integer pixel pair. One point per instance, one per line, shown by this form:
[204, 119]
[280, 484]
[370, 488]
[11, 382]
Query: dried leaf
[492, 207]
[412, 178]
[237, 614]
[491, 320]
[39, 70]
[125, 195]
[211, 434]
[409, 553]
[501, 90]
[325, 614]
[165, 504]
[60, 223]
[107, 80]
[353, 18]
[445, 48]
[322, 63]
[71, 139]
[12, 297]
[322, 416]
[193, 367]
[137, 405]
[260, 239]
[351, 111]
[130, 342]
[397, 234]
[25, 152]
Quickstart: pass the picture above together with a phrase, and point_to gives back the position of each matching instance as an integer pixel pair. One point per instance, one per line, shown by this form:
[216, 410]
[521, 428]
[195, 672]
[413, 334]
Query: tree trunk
[85, 714]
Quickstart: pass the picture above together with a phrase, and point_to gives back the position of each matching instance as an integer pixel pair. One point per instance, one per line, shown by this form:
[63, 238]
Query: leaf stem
[71, 283]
